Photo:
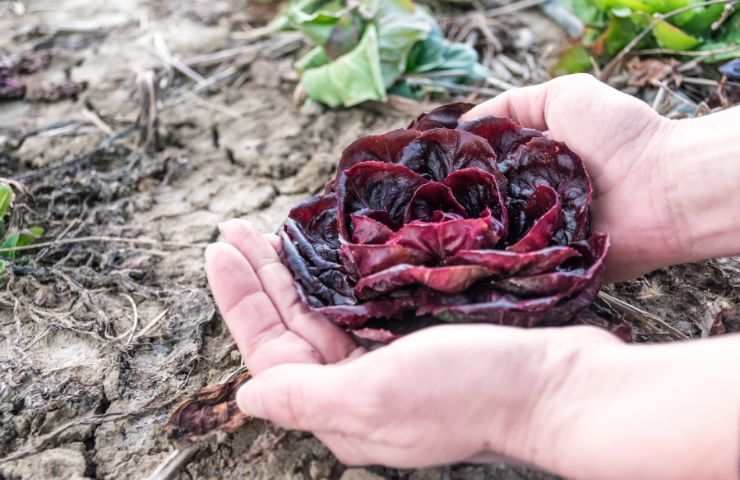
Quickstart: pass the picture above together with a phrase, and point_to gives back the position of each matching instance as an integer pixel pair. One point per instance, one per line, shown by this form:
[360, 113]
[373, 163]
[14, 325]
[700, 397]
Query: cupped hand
[442, 395]
[622, 141]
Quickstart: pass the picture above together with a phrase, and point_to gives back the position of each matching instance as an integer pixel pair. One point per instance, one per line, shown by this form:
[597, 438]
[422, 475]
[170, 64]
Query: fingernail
[249, 400]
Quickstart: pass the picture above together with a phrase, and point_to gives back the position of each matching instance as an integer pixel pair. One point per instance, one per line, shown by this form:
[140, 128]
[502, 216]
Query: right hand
[621, 140]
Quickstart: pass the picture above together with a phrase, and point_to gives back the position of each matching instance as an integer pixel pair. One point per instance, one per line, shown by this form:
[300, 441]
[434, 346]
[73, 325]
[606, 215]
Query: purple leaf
[481, 222]
[446, 116]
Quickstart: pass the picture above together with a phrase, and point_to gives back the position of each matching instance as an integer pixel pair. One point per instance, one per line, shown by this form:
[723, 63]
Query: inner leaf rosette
[481, 221]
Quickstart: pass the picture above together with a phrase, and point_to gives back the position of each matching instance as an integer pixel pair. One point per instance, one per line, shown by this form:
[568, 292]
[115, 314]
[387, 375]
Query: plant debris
[208, 411]
[482, 221]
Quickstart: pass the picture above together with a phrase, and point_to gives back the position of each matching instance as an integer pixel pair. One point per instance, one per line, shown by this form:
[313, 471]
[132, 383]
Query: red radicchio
[480, 221]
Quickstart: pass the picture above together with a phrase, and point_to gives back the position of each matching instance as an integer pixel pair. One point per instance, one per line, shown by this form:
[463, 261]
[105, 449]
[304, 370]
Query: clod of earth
[208, 411]
[448, 221]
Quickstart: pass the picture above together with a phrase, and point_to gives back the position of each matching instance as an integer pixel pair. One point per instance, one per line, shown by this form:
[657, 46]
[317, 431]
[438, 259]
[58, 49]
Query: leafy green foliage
[612, 24]
[575, 59]
[15, 239]
[365, 48]
[350, 79]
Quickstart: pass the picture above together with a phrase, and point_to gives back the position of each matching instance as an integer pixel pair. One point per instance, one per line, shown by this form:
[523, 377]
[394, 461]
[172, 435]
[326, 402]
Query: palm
[257, 299]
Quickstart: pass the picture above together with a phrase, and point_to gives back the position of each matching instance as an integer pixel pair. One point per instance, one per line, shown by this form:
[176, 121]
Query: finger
[526, 106]
[332, 343]
[273, 240]
[306, 397]
[249, 313]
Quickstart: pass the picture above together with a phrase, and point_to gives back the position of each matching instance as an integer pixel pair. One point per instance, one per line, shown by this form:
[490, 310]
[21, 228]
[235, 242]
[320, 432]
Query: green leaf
[316, 57]
[400, 26]
[669, 36]
[350, 79]
[617, 35]
[698, 21]
[586, 11]
[20, 239]
[6, 199]
[575, 59]
[437, 54]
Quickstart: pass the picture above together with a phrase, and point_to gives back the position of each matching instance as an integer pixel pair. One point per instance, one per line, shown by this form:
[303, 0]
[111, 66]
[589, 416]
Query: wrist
[700, 171]
[543, 395]
[565, 434]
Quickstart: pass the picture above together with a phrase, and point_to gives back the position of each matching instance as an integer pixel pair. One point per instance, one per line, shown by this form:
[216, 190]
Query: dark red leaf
[375, 186]
[452, 279]
[377, 148]
[503, 134]
[543, 212]
[479, 191]
[439, 152]
[541, 161]
[364, 260]
[430, 198]
[506, 263]
[444, 239]
[446, 116]
[366, 229]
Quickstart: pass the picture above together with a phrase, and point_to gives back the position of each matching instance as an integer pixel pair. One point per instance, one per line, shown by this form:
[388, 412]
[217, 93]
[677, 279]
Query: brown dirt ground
[82, 393]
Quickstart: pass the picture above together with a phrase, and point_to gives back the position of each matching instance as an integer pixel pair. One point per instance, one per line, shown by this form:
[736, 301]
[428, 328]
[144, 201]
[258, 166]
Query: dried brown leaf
[207, 412]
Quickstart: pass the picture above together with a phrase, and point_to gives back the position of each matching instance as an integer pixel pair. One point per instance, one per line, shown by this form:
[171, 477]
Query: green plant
[365, 48]
[676, 26]
[12, 240]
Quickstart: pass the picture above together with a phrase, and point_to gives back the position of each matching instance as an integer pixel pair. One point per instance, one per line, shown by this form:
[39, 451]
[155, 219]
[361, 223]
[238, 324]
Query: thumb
[524, 105]
[306, 397]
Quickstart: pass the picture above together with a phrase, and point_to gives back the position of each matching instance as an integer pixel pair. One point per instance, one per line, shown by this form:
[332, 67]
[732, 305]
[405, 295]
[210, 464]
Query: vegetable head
[481, 221]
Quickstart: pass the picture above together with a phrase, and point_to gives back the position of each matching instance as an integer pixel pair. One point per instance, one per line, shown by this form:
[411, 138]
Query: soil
[99, 339]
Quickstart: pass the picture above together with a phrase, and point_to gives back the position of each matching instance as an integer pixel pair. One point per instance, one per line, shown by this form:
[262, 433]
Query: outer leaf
[446, 116]
[351, 79]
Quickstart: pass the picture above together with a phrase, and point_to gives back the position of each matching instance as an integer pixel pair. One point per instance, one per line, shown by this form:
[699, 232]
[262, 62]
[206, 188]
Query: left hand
[441, 395]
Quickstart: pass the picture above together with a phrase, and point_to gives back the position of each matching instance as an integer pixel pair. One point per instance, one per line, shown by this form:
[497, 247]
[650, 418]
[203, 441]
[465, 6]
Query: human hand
[441, 395]
[621, 139]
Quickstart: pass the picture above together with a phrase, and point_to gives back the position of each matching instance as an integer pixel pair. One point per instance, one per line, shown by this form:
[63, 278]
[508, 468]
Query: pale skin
[575, 401]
